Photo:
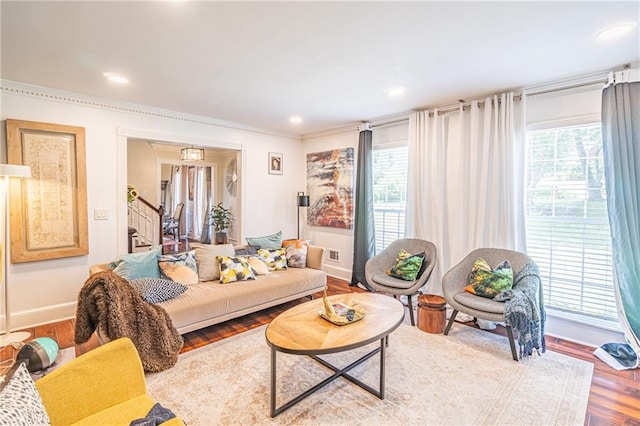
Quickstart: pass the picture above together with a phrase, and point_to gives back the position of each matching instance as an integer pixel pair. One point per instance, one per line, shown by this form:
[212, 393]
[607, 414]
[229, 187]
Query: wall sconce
[192, 154]
[303, 201]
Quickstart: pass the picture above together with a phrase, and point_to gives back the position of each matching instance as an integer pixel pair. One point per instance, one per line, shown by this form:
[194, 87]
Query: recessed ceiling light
[295, 119]
[396, 91]
[615, 31]
[116, 78]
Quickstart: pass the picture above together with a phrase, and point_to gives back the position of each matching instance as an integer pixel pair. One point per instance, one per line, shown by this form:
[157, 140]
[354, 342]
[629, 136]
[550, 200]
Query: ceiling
[331, 63]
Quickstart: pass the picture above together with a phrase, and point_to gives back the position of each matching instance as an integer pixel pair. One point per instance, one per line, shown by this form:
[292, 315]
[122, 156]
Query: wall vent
[334, 255]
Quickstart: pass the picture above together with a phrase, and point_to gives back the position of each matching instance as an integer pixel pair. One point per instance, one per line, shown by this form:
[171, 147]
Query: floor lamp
[7, 171]
[303, 201]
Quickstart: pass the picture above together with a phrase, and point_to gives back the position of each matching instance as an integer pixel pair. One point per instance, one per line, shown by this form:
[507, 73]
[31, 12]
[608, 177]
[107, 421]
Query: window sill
[585, 320]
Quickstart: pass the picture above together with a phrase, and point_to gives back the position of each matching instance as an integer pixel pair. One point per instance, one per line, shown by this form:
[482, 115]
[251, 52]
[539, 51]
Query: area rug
[465, 378]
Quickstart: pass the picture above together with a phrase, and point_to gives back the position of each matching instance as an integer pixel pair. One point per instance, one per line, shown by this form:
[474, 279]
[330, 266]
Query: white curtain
[466, 179]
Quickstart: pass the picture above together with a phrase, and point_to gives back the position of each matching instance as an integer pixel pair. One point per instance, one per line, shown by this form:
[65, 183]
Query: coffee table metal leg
[272, 395]
[383, 351]
[337, 373]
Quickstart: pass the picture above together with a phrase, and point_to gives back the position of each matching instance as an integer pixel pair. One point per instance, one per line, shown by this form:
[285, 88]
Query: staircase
[146, 219]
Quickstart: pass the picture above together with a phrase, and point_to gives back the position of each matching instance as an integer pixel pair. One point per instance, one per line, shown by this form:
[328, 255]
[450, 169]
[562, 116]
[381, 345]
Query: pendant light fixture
[192, 154]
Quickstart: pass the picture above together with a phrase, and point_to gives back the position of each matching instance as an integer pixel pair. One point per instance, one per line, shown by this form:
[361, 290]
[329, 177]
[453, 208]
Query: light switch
[100, 214]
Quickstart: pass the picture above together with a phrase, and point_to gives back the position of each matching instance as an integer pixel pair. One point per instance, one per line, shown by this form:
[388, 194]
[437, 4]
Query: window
[389, 194]
[566, 219]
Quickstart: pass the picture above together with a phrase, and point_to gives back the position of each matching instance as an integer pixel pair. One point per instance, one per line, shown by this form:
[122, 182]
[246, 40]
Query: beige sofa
[210, 302]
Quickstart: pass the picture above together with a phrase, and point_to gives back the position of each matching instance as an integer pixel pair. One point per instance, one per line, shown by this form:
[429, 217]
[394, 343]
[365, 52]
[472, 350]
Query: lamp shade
[303, 200]
[15, 170]
[192, 154]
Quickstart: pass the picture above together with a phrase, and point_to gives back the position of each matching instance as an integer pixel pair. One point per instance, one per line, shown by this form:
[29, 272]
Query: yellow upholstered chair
[105, 386]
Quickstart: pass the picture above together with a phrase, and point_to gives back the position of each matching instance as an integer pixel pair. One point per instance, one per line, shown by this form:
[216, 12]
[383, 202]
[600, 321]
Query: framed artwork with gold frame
[49, 210]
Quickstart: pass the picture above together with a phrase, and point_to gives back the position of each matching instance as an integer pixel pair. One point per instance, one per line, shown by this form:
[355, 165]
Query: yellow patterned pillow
[275, 259]
[234, 269]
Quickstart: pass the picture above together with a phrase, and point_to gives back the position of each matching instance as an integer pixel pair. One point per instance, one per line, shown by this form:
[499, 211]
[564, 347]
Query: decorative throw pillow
[234, 268]
[485, 282]
[20, 403]
[246, 250]
[258, 265]
[206, 259]
[269, 242]
[275, 259]
[296, 253]
[180, 267]
[138, 265]
[407, 266]
[156, 290]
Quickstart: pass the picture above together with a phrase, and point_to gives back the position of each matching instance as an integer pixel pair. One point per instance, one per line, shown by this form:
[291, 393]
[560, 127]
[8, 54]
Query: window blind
[389, 193]
[566, 219]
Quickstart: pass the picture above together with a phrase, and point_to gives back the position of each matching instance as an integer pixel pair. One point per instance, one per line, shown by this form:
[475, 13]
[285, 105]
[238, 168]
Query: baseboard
[46, 315]
[579, 332]
[337, 272]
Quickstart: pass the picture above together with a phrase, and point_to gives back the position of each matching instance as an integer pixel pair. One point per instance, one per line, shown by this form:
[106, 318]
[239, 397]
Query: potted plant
[221, 218]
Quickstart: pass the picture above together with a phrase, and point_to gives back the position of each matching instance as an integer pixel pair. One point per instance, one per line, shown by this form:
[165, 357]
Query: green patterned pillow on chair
[485, 282]
[407, 266]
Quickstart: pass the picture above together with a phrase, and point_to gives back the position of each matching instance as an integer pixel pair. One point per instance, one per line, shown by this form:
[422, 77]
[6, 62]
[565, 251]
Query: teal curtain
[364, 243]
[621, 149]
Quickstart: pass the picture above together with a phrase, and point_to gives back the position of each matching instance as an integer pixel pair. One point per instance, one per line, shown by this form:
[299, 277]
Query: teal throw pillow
[408, 266]
[486, 282]
[138, 265]
[268, 242]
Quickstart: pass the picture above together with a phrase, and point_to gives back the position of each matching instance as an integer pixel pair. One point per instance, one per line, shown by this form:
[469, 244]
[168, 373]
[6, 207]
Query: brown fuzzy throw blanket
[108, 301]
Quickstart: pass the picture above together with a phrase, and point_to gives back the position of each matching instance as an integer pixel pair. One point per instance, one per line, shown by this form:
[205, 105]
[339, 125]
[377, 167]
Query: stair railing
[147, 220]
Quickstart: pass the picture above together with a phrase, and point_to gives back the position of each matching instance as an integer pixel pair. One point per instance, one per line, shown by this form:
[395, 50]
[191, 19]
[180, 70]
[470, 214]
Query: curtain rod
[388, 123]
[465, 104]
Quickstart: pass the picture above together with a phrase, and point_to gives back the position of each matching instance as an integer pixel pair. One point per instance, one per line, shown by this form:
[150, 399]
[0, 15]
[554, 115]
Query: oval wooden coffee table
[301, 331]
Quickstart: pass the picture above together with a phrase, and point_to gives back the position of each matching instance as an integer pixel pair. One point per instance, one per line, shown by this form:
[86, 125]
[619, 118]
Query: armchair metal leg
[410, 304]
[511, 343]
[450, 323]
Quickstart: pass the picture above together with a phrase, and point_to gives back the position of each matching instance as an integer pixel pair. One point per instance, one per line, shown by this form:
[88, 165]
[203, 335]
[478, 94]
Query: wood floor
[614, 398]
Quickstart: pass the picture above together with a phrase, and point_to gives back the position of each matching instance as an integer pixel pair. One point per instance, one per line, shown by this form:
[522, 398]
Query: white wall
[336, 238]
[330, 238]
[46, 291]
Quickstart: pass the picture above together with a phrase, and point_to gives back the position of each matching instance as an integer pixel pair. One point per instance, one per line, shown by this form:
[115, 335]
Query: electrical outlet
[100, 214]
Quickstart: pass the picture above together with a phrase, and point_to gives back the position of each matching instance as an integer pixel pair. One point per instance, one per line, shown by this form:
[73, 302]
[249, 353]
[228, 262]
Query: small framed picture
[275, 163]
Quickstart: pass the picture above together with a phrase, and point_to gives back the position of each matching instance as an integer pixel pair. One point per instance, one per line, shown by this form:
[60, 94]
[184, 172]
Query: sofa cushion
[234, 269]
[20, 403]
[269, 242]
[483, 304]
[296, 251]
[205, 301]
[138, 265]
[123, 413]
[389, 281]
[276, 260]
[156, 290]
[179, 267]
[206, 259]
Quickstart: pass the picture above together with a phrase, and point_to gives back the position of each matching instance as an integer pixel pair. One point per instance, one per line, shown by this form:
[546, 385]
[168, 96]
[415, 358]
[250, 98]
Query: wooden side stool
[432, 314]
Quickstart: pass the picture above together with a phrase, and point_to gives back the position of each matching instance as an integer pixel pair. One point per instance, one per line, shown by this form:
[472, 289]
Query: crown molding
[24, 89]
